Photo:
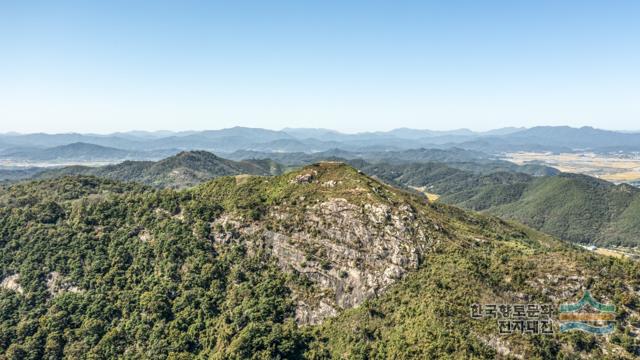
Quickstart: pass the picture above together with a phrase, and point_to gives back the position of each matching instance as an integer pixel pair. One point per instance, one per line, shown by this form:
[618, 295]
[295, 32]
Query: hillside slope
[323, 262]
[573, 207]
[578, 208]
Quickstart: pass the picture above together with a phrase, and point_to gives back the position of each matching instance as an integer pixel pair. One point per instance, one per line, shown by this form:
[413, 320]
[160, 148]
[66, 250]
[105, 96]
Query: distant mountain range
[412, 155]
[458, 158]
[80, 152]
[469, 173]
[546, 138]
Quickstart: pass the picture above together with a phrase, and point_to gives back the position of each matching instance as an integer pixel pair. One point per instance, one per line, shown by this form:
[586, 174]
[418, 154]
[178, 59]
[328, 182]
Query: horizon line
[289, 128]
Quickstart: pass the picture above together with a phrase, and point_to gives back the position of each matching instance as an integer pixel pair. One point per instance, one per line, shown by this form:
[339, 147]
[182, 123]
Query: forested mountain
[182, 170]
[573, 207]
[322, 262]
[577, 208]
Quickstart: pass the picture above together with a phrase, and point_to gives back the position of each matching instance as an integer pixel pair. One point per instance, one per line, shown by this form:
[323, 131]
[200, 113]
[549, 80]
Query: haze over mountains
[156, 145]
[78, 151]
[182, 170]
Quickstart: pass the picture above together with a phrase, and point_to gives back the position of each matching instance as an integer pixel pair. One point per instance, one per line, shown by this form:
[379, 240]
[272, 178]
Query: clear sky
[114, 65]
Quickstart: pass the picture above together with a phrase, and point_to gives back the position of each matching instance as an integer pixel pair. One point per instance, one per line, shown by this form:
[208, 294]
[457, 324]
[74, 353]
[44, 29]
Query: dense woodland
[573, 207]
[95, 268]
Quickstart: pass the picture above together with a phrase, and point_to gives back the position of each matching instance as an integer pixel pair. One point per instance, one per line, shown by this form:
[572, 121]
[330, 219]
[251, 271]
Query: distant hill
[18, 174]
[401, 133]
[573, 207]
[555, 138]
[41, 140]
[291, 158]
[458, 158]
[230, 139]
[182, 170]
[577, 138]
[313, 133]
[411, 155]
[78, 151]
[496, 145]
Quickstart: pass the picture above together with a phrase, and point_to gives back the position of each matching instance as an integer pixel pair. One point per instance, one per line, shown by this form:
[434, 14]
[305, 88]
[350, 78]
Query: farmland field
[617, 168]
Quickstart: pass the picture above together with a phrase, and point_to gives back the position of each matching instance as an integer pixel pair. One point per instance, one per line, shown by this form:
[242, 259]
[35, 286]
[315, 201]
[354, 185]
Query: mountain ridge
[541, 138]
[184, 169]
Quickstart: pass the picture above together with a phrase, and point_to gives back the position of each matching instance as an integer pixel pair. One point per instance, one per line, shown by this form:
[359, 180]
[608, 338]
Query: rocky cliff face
[349, 235]
[353, 253]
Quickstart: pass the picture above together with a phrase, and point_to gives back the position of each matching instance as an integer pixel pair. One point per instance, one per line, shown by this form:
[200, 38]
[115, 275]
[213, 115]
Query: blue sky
[108, 66]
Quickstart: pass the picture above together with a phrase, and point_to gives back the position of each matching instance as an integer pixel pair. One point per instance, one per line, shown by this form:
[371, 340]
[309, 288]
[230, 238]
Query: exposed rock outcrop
[347, 235]
[57, 284]
[12, 282]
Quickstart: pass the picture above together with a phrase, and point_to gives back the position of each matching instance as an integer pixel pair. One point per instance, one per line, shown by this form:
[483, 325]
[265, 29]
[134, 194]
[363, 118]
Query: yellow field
[241, 179]
[610, 168]
[430, 196]
[608, 252]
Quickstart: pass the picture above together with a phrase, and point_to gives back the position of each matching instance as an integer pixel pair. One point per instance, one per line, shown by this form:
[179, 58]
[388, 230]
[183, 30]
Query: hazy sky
[350, 65]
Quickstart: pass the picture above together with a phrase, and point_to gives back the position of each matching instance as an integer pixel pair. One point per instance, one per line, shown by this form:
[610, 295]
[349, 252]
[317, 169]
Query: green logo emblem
[598, 322]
